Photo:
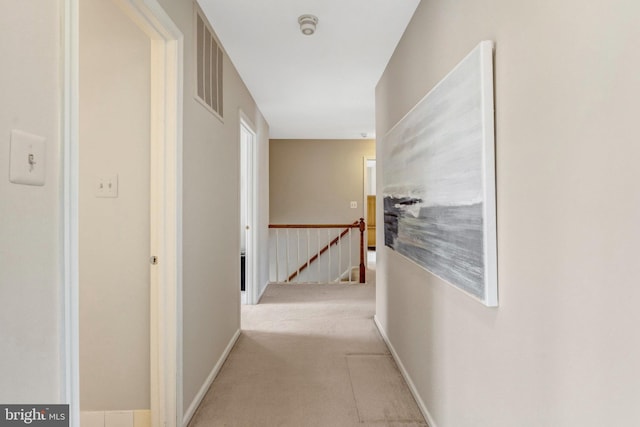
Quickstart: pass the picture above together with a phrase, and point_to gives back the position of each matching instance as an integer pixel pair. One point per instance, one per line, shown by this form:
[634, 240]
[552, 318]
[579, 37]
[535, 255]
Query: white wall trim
[69, 125]
[247, 120]
[405, 375]
[115, 418]
[193, 407]
[166, 198]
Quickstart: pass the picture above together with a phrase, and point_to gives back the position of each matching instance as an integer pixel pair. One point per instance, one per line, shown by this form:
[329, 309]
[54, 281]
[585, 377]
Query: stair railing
[338, 238]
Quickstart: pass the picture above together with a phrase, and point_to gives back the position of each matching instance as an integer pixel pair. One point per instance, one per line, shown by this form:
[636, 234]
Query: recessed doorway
[247, 212]
[370, 208]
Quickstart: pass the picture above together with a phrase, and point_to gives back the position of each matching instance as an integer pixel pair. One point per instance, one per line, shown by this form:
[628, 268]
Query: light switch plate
[354, 205]
[107, 186]
[27, 164]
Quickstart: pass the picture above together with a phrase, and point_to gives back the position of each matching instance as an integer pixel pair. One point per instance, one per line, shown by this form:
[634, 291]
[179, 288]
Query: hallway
[310, 355]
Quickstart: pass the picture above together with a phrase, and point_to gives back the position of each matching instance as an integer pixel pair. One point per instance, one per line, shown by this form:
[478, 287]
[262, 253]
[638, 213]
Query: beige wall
[562, 349]
[313, 181]
[31, 325]
[114, 232]
[211, 213]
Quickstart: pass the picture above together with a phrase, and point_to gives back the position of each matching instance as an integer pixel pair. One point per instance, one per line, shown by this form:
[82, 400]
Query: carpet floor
[310, 355]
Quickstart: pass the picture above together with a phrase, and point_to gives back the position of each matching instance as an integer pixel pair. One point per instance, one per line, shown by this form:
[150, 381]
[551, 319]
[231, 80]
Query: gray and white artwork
[439, 179]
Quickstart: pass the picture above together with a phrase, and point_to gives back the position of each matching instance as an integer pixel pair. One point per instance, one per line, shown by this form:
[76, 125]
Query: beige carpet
[310, 355]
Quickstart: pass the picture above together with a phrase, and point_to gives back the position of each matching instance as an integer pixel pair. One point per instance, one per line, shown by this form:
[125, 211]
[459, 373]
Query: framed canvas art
[439, 180]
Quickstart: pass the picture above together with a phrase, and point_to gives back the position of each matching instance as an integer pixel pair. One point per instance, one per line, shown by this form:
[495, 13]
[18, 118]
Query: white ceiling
[312, 87]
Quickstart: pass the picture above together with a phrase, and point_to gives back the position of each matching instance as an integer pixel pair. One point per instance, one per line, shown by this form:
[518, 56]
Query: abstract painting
[439, 180]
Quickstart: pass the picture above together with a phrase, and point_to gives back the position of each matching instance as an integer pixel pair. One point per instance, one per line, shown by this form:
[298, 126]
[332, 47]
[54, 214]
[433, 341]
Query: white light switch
[354, 205]
[27, 158]
[107, 186]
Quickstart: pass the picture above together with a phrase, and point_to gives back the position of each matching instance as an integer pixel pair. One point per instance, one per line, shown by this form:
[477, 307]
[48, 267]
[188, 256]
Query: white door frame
[251, 291]
[166, 207]
[365, 193]
[69, 135]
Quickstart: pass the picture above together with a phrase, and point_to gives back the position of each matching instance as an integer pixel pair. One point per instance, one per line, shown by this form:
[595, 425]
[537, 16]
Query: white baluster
[277, 256]
[318, 252]
[308, 253]
[329, 252]
[339, 254]
[297, 254]
[350, 250]
[286, 277]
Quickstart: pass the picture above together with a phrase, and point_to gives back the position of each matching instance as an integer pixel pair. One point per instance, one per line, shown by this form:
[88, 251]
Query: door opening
[159, 153]
[370, 208]
[247, 213]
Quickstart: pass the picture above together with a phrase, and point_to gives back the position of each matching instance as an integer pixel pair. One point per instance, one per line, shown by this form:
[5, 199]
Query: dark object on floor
[242, 270]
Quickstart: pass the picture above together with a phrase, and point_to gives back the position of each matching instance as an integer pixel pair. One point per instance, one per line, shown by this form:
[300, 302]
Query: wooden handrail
[360, 225]
[356, 224]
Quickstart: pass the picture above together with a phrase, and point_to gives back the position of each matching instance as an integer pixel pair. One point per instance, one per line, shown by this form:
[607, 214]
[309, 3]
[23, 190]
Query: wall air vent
[208, 66]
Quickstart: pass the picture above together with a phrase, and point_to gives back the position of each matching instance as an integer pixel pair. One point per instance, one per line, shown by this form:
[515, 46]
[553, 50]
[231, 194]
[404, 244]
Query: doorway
[144, 176]
[248, 227]
[370, 208]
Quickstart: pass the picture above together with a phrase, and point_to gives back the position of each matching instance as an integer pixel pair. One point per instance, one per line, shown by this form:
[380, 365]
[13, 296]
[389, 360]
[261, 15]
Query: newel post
[363, 269]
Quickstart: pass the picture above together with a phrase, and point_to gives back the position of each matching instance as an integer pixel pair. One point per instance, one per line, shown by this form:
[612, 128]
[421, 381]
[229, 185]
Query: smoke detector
[308, 24]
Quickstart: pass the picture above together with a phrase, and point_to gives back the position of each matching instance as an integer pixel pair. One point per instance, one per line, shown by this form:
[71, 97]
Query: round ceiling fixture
[308, 24]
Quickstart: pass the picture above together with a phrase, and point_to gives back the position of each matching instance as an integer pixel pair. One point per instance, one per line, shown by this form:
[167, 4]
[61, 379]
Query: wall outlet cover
[27, 163]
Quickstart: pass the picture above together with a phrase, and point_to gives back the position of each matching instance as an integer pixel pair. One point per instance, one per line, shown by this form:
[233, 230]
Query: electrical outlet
[354, 205]
[107, 186]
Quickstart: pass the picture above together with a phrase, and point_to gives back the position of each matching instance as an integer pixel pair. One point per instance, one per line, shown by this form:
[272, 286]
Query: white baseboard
[414, 391]
[262, 292]
[135, 418]
[212, 376]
